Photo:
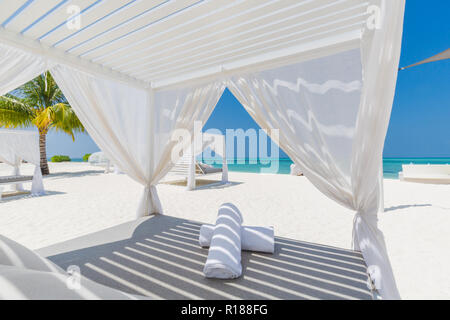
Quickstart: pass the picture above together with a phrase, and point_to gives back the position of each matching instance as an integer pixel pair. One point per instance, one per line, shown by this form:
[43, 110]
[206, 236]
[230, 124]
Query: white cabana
[18, 145]
[323, 72]
[209, 142]
[188, 166]
[100, 159]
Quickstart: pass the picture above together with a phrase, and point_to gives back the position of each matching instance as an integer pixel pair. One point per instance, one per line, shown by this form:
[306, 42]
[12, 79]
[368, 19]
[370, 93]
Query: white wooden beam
[21, 42]
[188, 44]
[295, 54]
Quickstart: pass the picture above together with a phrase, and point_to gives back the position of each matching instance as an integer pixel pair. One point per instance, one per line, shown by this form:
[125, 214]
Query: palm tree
[39, 103]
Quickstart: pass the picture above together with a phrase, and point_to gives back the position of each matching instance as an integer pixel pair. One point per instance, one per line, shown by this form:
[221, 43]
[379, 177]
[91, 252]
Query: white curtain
[314, 105]
[333, 115]
[18, 67]
[18, 145]
[380, 50]
[134, 126]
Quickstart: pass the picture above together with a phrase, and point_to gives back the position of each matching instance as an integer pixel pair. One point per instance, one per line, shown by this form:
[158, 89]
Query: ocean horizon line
[389, 158]
[391, 166]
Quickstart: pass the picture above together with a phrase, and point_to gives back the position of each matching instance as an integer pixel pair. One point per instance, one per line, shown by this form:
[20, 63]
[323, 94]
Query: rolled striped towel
[224, 256]
[258, 239]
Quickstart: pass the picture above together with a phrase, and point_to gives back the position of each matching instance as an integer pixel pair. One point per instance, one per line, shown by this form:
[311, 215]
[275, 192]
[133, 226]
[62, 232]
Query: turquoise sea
[391, 166]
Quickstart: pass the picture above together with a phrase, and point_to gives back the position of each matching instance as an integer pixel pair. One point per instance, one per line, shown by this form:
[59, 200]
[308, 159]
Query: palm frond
[43, 119]
[49, 108]
[42, 91]
[15, 112]
[63, 118]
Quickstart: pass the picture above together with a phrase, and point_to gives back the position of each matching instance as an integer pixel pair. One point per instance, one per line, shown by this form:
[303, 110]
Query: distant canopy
[441, 56]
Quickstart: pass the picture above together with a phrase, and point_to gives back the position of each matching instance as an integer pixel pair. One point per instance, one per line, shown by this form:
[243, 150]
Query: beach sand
[81, 199]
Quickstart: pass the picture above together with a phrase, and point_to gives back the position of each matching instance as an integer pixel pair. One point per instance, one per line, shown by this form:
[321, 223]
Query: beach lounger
[426, 173]
[205, 169]
[201, 169]
[11, 180]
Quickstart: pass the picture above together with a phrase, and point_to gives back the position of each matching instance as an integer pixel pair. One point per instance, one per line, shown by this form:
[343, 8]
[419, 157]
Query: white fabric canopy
[315, 105]
[18, 67]
[16, 146]
[133, 126]
[322, 72]
[333, 113]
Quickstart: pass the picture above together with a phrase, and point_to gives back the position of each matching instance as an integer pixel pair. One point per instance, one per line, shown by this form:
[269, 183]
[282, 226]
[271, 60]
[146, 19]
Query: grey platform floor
[160, 257]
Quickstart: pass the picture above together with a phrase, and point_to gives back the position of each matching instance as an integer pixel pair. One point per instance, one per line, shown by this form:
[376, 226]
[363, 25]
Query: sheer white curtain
[134, 126]
[174, 109]
[178, 108]
[314, 105]
[380, 50]
[18, 145]
[333, 114]
[18, 67]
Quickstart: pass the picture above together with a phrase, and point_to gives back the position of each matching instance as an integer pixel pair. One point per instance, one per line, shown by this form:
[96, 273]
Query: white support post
[16, 172]
[224, 162]
[191, 174]
[108, 166]
[117, 170]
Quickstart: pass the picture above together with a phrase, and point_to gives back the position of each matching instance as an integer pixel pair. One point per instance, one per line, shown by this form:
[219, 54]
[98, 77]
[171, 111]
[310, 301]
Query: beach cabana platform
[16, 146]
[319, 76]
[159, 257]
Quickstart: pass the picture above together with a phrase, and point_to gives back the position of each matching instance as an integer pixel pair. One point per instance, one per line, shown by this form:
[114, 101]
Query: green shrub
[86, 157]
[59, 158]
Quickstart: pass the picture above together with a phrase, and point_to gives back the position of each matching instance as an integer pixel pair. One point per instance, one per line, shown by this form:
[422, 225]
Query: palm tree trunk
[43, 151]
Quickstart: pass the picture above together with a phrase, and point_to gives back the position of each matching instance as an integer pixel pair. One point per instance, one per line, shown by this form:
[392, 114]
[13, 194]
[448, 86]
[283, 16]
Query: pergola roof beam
[166, 44]
[22, 5]
[237, 49]
[285, 56]
[173, 34]
[54, 55]
[84, 11]
[89, 21]
[105, 28]
[248, 37]
[45, 13]
[134, 30]
[140, 41]
[36, 13]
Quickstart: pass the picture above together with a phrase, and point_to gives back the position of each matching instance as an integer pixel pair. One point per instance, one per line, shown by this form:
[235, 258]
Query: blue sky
[420, 121]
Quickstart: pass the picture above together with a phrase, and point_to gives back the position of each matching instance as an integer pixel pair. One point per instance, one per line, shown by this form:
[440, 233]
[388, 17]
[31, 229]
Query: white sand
[81, 199]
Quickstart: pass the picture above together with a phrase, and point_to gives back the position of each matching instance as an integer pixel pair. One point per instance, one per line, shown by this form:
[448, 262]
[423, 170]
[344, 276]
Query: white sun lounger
[426, 173]
[12, 180]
